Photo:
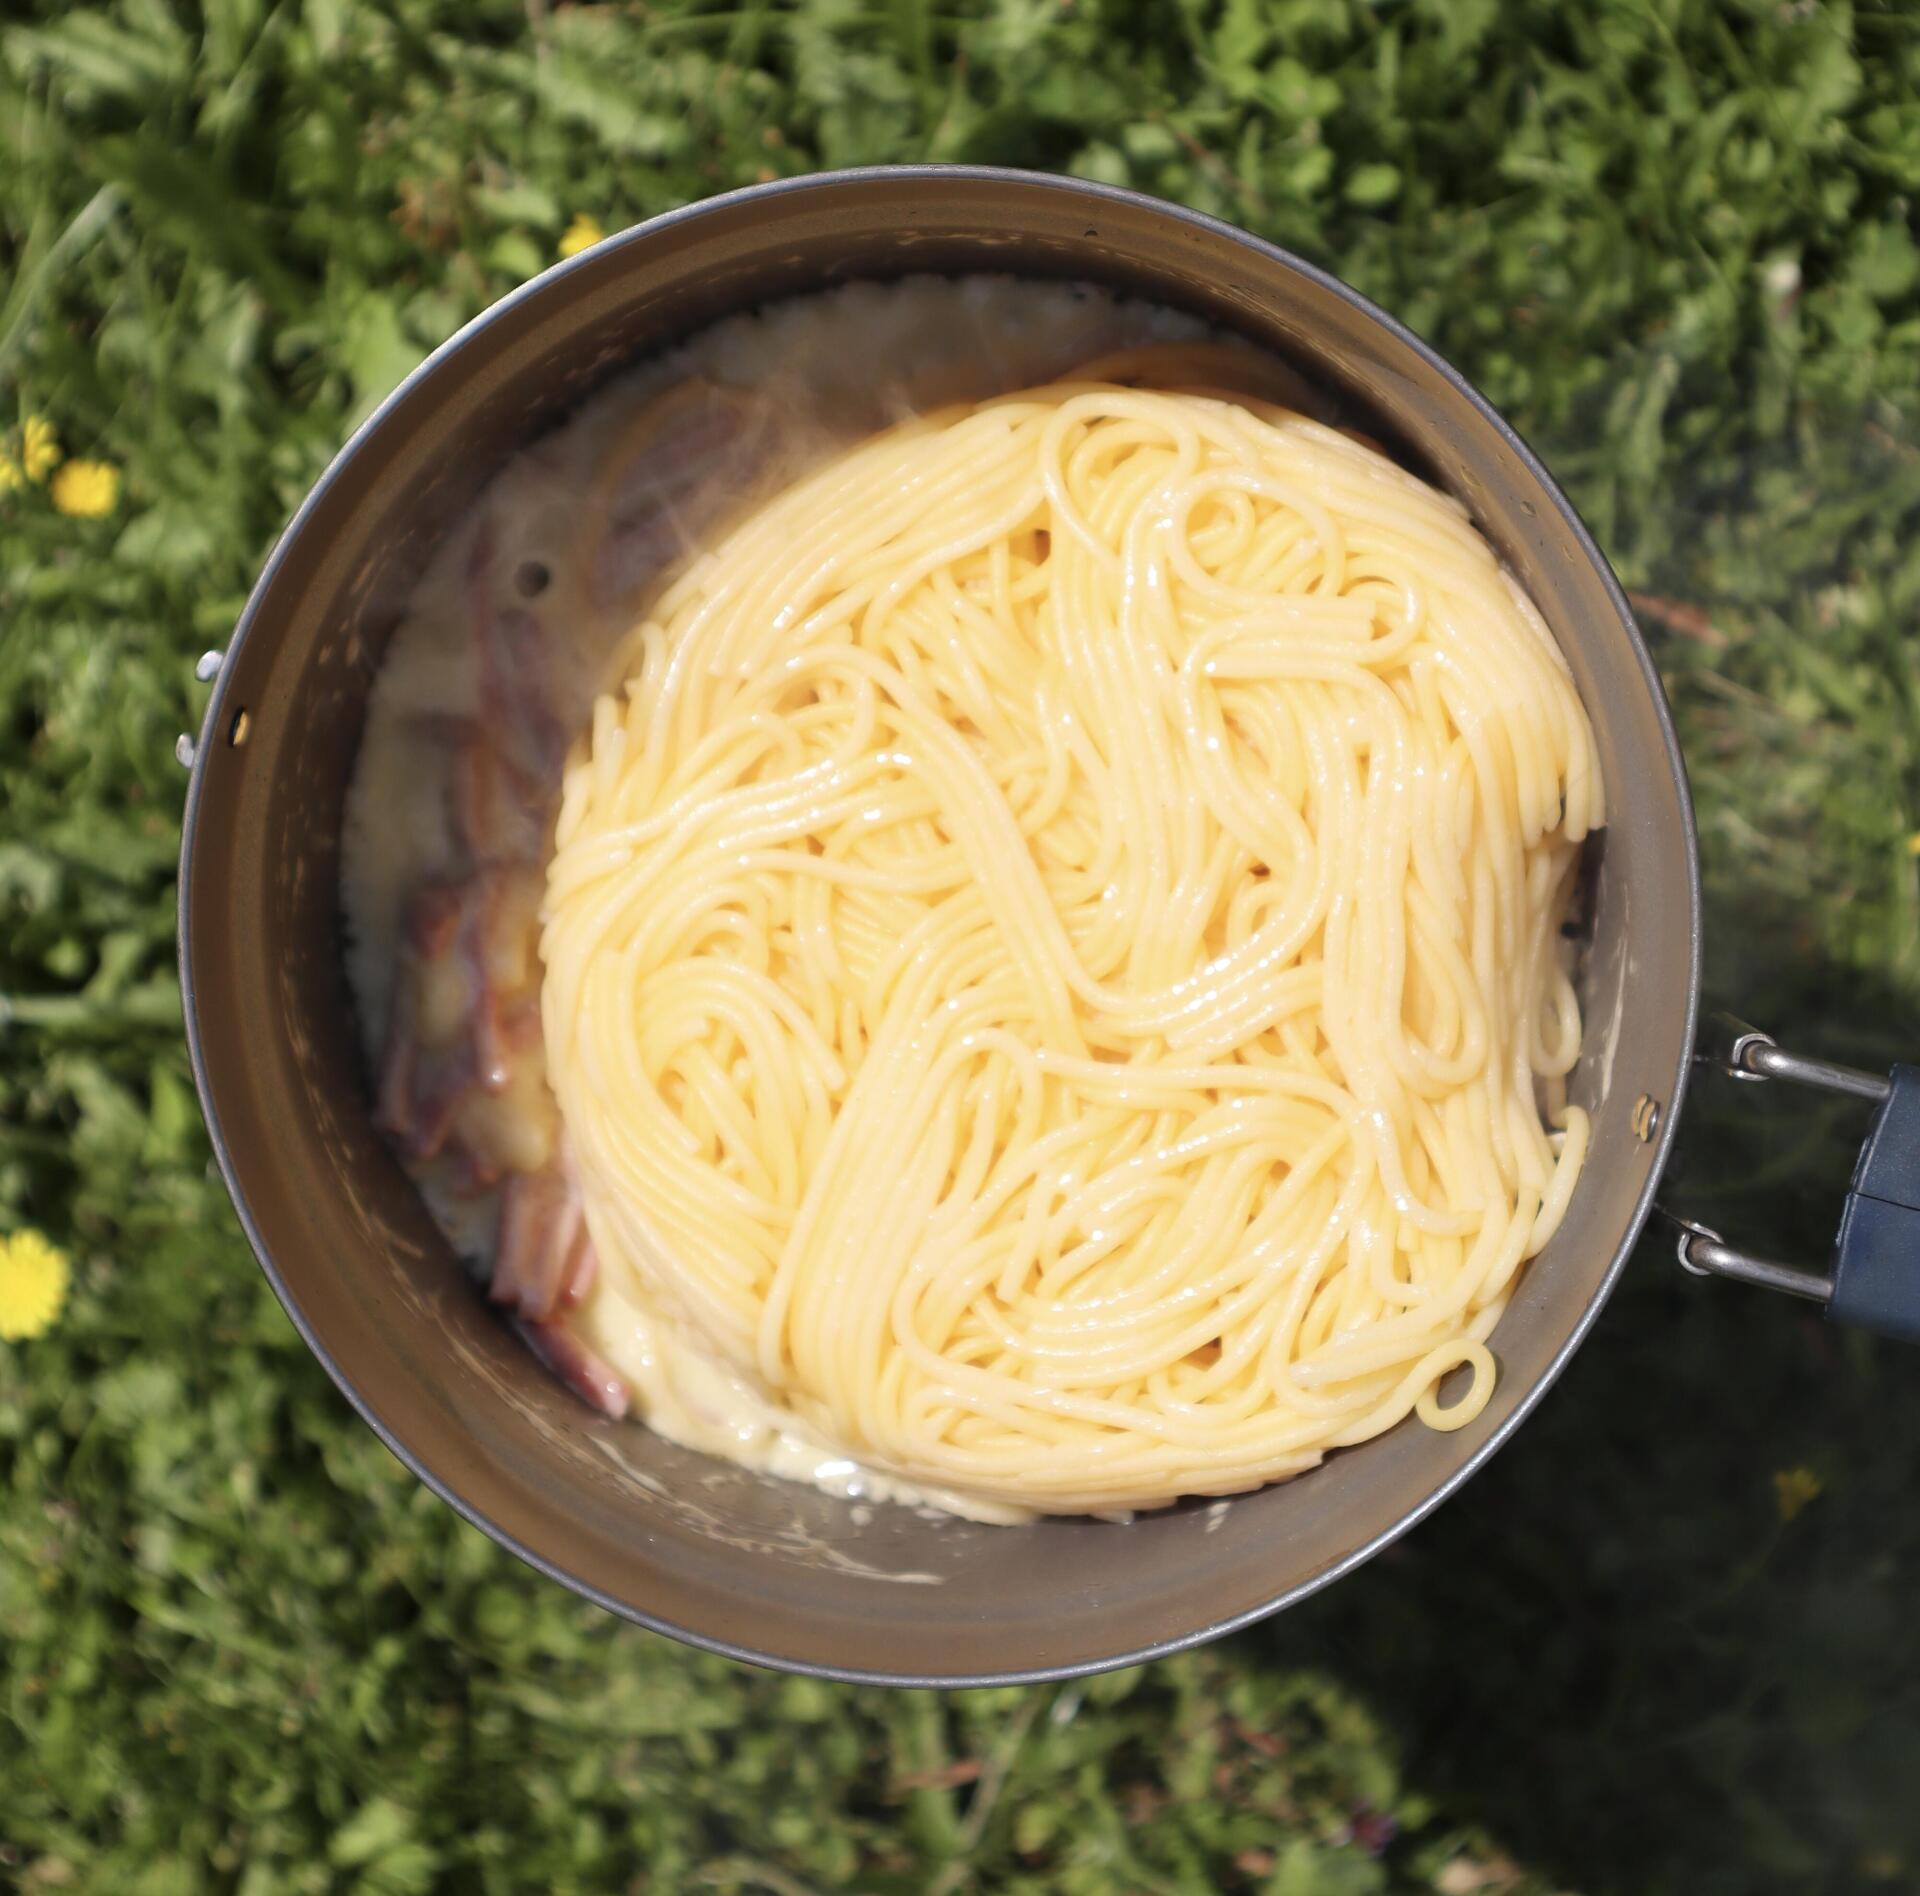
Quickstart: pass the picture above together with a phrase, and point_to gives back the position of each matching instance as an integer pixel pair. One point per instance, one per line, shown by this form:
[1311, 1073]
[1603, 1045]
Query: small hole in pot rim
[532, 579]
[239, 728]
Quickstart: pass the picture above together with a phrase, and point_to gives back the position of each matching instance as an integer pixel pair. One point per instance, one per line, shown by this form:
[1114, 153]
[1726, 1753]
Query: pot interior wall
[734, 1560]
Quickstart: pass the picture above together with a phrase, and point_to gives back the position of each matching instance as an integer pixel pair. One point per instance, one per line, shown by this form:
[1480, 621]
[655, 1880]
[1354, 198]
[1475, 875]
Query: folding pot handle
[1874, 1278]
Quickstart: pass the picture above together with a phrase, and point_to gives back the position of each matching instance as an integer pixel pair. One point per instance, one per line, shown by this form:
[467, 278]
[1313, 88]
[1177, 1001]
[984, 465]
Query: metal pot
[745, 1565]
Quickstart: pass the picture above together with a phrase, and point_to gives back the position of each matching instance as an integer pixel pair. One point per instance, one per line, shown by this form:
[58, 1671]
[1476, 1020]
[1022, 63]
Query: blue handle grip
[1876, 1258]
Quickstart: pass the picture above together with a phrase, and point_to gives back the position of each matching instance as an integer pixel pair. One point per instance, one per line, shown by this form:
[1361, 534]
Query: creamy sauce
[690, 1397]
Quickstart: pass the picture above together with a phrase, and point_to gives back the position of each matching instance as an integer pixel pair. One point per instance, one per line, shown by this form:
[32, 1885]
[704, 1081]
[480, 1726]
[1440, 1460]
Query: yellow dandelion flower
[39, 448]
[11, 478]
[582, 234]
[1793, 1488]
[88, 490]
[33, 1285]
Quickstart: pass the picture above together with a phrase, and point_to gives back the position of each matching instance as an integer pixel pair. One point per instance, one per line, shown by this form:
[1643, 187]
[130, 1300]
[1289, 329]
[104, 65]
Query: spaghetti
[1052, 958]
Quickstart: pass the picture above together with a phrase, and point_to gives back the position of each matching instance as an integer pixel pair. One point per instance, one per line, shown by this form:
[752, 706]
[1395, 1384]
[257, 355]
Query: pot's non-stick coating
[751, 1565]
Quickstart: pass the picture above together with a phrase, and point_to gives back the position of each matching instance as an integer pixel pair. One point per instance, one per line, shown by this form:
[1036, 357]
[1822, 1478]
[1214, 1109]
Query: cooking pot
[743, 1564]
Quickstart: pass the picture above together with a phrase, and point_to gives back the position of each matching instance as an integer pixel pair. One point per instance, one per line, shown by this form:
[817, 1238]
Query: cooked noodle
[1053, 963]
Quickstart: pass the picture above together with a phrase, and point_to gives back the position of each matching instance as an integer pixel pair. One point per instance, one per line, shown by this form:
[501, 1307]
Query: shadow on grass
[1642, 1657]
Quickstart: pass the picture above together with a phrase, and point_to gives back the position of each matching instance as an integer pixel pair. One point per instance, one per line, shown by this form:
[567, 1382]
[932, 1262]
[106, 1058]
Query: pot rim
[548, 283]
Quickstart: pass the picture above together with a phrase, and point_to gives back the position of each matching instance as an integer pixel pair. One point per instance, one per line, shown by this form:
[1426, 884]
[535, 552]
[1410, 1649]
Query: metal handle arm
[1745, 1053]
[1706, 1254]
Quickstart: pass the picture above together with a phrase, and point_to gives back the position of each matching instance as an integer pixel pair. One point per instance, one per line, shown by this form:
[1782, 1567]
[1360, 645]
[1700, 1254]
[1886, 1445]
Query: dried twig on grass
[1691, 622]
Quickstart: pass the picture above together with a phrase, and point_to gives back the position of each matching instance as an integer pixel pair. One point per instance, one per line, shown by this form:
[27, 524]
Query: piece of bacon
[527, 737]
[496, 819]
[676, 465]
[594, 1380]
[399, 1061]
[422, 1087]
[541, 1226]
[543, 1254]
[583, 1268]
[435, 917]
[519, 725]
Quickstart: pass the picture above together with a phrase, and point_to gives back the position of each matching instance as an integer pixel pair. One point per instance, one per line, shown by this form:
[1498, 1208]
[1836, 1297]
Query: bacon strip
[541, 1228]
[422, 1087]
[675, 464]
[590, 1377]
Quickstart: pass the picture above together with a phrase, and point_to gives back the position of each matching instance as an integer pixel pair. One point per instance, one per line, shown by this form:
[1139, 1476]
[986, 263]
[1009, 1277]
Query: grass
[1667, 1643]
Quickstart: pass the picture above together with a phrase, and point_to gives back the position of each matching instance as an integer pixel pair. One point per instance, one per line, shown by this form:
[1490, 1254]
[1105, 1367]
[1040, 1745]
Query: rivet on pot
[1646, 1118]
